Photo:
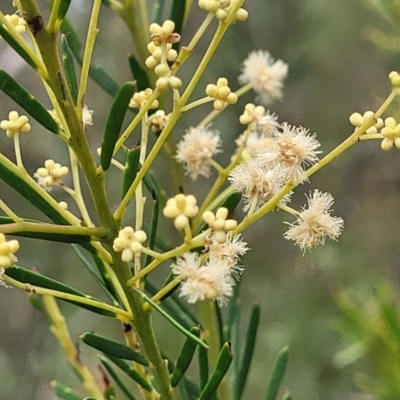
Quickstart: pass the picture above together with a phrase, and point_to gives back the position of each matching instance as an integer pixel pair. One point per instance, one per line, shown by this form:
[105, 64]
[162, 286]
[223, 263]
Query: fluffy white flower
[200, 282]
[228, 252]
[293, 147]
[87, 116]
[264, 74]
[196, 149]
[314, 223]
[258, 183]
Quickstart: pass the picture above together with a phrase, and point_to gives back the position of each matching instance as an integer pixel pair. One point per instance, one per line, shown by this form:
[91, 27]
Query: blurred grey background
[334, 70]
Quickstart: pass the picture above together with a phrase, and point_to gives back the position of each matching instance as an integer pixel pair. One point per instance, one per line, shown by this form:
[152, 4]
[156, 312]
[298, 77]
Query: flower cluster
[221, 8]
[210, 276]
[265, 75]
[129, 242]
[211, 280]
[158, 120]
[7, 250]
[314, 223]
[160, 47]
[50, 175]
[18, 23]
[196, 149]
[180, 208]
[15, 124]
[219, 224]
[221, 93]
[140, 99]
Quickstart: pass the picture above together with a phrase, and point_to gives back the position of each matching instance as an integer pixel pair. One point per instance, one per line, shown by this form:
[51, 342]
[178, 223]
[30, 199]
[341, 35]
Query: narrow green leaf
[104, 80]
[184, 358]
[224, 361]
[24, 275]
[94, 274]
[131, 169]
[232, 312]
[169, 279]
[220, 323]
[245, 361]
[178, 305]
[112, 348]
[52, 237]
[114, 123]
[69, 68]
[178, 16]
[16, 46]
[98, 74]
[105, 274]
[168, 318]
[154, 184]
[29, 103]
[171, 307]
[139, 74]
[131, 372]
[203, 366]
[278, 372]
[74, 42]
[64, 392]
[153, 230]
[161, 243]
[116, 378]
[63, 9]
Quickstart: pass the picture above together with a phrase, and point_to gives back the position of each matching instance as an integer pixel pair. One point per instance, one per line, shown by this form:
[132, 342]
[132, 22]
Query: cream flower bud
[139, 99]
[15, 124]
[129, 242]
[181, 208]
[7, 250]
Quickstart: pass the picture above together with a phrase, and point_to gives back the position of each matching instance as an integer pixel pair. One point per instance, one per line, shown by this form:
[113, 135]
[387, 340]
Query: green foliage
[371, 329]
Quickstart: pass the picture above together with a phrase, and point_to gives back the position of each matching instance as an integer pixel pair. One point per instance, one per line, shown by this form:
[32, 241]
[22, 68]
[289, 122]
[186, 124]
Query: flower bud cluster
[7, 250]
[158, 120]
[129, 242]
[394, 78]
[221, 93]
[180, 208]
[160, 47]
[50, 175]
[164, 33]
[220, 8]
[140, 99]
[358, 120]
[391, 134]
[15, 124]
[219, 224]
[17, 22]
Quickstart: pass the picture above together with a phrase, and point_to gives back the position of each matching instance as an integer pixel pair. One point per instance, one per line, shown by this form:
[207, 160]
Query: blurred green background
[334, 70]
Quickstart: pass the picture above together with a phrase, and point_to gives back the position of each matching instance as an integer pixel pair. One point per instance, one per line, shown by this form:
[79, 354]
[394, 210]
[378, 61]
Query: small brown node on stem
[35, 24]
[127, 327]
